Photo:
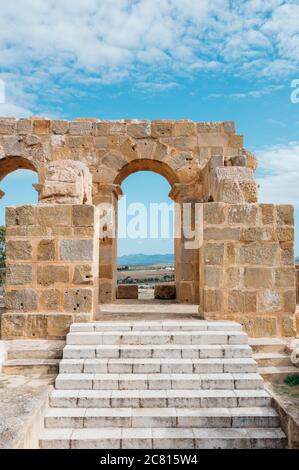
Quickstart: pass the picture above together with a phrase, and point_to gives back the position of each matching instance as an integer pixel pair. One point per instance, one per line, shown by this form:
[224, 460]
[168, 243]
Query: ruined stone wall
[52, 269]
[247, 267]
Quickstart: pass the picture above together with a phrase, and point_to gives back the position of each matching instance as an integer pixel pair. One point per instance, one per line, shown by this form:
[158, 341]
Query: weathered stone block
[265, 326]
[78, 300]
[212, 276]
[232, 277]
[213, 213]
[24, 126]
[139, 130]
[51, 300]
[288, 327]
[226, 233]
[285, 234]
[83, 274]
[162, 128]
[184, 128]
[83, 216]
[106, 271]
[81, 127]
[54, 215]
[12, 325]
[231, 253]
[127, 291]
[213, 253]
[7, 126]
[48, 275]
[242, 301]
[212, 300]
[116, 127]
[245, 214]
[285, 277]
[259, 253]
[287, 253]
[36, 326]
[255, 278]
[60, 127]
[253, 234]
[25, 300]
[165, 291]
[267, 213]
[18, 250]
[59, 325]
[76, 250]
[41, 126]
[18, 274]
[21, 215]
[270, 300]
[46, 250]
[285, 215]
[289, 301]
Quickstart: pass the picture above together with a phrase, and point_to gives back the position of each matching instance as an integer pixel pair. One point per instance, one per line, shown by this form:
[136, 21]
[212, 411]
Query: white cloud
[280, 165]
[270, 89]
[43, 42]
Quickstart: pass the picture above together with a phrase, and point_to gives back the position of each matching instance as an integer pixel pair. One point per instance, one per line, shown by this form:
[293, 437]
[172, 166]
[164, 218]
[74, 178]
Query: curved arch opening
[153, 166]
[10, 164]
[145, 244]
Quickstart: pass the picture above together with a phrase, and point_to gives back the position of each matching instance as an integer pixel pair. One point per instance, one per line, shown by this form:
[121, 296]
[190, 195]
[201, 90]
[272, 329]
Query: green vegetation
[292, 380]
[2, 254]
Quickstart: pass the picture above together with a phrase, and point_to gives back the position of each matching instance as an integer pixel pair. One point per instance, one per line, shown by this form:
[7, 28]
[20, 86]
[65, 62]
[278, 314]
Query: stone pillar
[106, 198]
[52, 269]
[247, 268]
[186, 199]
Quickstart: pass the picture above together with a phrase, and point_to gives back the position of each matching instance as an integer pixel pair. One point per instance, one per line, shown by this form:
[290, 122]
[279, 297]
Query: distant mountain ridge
[142, 259]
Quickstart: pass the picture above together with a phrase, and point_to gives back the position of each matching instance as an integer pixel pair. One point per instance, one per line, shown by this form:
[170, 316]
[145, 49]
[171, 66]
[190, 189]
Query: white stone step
[161, 417]
[159, 398]
[158, 351]
[158, 438]
[272, 359]
[277, 374]
[153, 338]
[156, 364]
[268, 345]
[187, 325]
[160, 381]
[30, 366]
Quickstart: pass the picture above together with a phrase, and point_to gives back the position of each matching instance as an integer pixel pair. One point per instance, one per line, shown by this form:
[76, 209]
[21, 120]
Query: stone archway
[186, 260]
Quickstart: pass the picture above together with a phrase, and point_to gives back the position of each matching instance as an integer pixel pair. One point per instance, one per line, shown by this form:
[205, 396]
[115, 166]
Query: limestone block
[22, 215]
[146, 148]
[106, 271]
[242, 301]
[288, 327]
[76, 250]
[226, 233]
[285, 215]
[18, 250]
[24, 126]
[58, 325]
[270, 300]
[36, 326]
[139, 130]
[265, 326]
[162, 128]
[7, 126]
[116, 127]
[127, 291]
[102, 128]
[287, 253]
[41, 126]
[54, 215]
[83, 216]
[12, 325]
[13, 146]
[213, 213]
[289, 301]
[25, 300]
[229, 192]
[267, 213]
[60, 127]
[78, 300]
[242, 214]
[253, 234]
[184, 128]
[238, 160]
[46, 250]
[18, 274]
[255, 278]
[48, 275]
[232, 277]
[213, 253]
[285, 277]
[83, 274]
[51, 300]
[212, 300]
[165, 291]
[259, 253]
[81, 127]
[285, 234]
[114, 160]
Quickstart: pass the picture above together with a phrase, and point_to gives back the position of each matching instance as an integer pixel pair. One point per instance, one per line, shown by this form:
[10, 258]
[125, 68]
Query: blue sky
[166, 59]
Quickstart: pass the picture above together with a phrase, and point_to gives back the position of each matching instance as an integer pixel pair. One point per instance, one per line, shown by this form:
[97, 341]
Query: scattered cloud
[280, 174]
[45, 45]
[270, 89]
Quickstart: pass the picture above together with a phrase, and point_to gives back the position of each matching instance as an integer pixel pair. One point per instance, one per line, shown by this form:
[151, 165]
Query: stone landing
[160, 384]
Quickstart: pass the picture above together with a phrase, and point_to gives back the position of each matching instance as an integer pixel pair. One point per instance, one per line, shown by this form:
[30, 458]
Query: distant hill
[141, 259]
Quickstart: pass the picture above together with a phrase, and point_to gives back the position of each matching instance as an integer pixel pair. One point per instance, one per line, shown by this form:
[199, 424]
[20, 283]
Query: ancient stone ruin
[59, 268]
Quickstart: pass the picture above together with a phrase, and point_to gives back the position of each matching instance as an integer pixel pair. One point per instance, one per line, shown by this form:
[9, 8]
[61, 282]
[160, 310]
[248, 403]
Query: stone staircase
[273, 359]
[159, 384]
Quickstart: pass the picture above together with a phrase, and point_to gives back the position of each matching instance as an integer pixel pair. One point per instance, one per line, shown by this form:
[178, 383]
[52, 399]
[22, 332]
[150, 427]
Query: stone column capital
[104, 190]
